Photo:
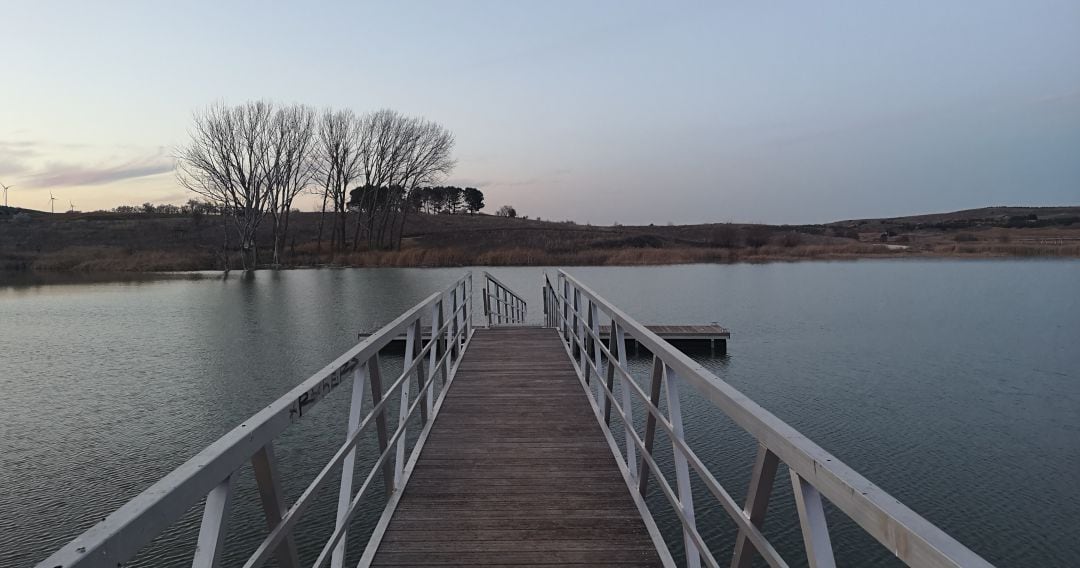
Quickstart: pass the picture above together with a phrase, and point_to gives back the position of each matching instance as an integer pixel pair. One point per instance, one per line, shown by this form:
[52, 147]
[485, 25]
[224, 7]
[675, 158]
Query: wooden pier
[712, 336]
[516, 469]
[515, 445]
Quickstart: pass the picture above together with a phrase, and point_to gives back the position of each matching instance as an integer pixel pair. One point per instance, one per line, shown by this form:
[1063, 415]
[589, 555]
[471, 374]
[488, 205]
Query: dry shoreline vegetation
[137, 242]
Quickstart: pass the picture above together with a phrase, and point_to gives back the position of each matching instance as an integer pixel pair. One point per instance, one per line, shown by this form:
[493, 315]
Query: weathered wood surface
[516, 470]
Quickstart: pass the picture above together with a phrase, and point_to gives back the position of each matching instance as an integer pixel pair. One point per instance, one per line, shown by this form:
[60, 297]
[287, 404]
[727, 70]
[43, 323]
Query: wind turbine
[72, 210]
[52, 202]
[6, 188]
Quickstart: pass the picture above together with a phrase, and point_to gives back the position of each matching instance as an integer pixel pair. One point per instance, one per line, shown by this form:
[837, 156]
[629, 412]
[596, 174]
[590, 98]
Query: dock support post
[375, 379]
[650, 423]
[757, 503]
[273, 501]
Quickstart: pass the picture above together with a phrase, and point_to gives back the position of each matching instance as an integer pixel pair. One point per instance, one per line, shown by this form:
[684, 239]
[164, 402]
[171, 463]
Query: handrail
[211, 473]
[509, 308]
[575, 310]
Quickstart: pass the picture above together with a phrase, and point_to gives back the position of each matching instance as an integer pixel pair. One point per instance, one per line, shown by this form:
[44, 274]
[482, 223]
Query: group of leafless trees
[252, 161]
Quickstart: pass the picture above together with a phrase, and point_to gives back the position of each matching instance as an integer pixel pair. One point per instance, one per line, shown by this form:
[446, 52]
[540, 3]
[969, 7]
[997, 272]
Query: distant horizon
[490, 210]
[598, 112]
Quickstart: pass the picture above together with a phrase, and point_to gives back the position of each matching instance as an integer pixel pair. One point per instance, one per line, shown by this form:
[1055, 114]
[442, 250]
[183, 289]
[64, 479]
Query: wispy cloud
[14, 154]
[1061, 97]
[541, 179]
[61, 174]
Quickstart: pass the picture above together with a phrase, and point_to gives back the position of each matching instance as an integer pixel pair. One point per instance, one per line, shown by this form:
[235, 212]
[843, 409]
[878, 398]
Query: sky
[601, 112]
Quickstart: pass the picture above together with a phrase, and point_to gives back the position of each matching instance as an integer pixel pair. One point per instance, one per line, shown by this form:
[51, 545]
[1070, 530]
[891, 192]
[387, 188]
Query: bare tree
[382, 135]
[426, 161]
[290, 166]
[226, 163]
[339, 165]
[399, 155]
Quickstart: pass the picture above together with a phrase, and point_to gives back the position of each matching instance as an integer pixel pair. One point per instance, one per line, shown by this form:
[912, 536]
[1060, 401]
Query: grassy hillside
[148, 242]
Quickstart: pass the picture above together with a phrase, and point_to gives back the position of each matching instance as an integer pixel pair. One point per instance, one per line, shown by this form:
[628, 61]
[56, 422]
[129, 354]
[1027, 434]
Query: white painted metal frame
[816, 474]
[211, 473]
[501, 305]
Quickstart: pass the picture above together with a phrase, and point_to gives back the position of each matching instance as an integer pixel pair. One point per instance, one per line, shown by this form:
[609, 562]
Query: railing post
[273, 502]
[403, 408]
[469, 305]
[584, 355]
[349, 464]
[566, 310]
[448, 338]
[579, 341]
[421, 370]
[375, 380]
[627, 400]
[682, 467]
[464, 315]
[553, 317]
[433, 357]
[452, 331]
[596, 355]
[548, 307]
[613, 349]
[444, 343]
[757, 503]
[545, 298]
[501, 303]
[815, 530]
[214, 521]
[508, 313]
[615, 340]
[553, 306]
[487, 301]
[650, 422]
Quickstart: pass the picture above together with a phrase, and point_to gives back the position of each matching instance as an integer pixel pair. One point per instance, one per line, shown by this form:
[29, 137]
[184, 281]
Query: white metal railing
[508, 307]
[211, 473]
[816, 475]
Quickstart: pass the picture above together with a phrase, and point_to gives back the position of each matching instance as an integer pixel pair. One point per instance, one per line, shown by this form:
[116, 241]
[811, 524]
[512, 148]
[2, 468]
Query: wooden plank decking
[516, 470]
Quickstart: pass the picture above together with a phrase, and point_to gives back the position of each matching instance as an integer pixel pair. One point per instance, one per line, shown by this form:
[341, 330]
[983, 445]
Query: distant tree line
[252, 160]
[193, 207]
[385, 209]
[447, 199]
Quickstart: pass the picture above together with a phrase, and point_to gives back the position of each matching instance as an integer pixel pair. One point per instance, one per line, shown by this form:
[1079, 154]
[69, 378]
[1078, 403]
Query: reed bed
[117, 259]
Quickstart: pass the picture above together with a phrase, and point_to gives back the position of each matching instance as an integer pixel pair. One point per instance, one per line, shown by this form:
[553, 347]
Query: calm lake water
[954, 385]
